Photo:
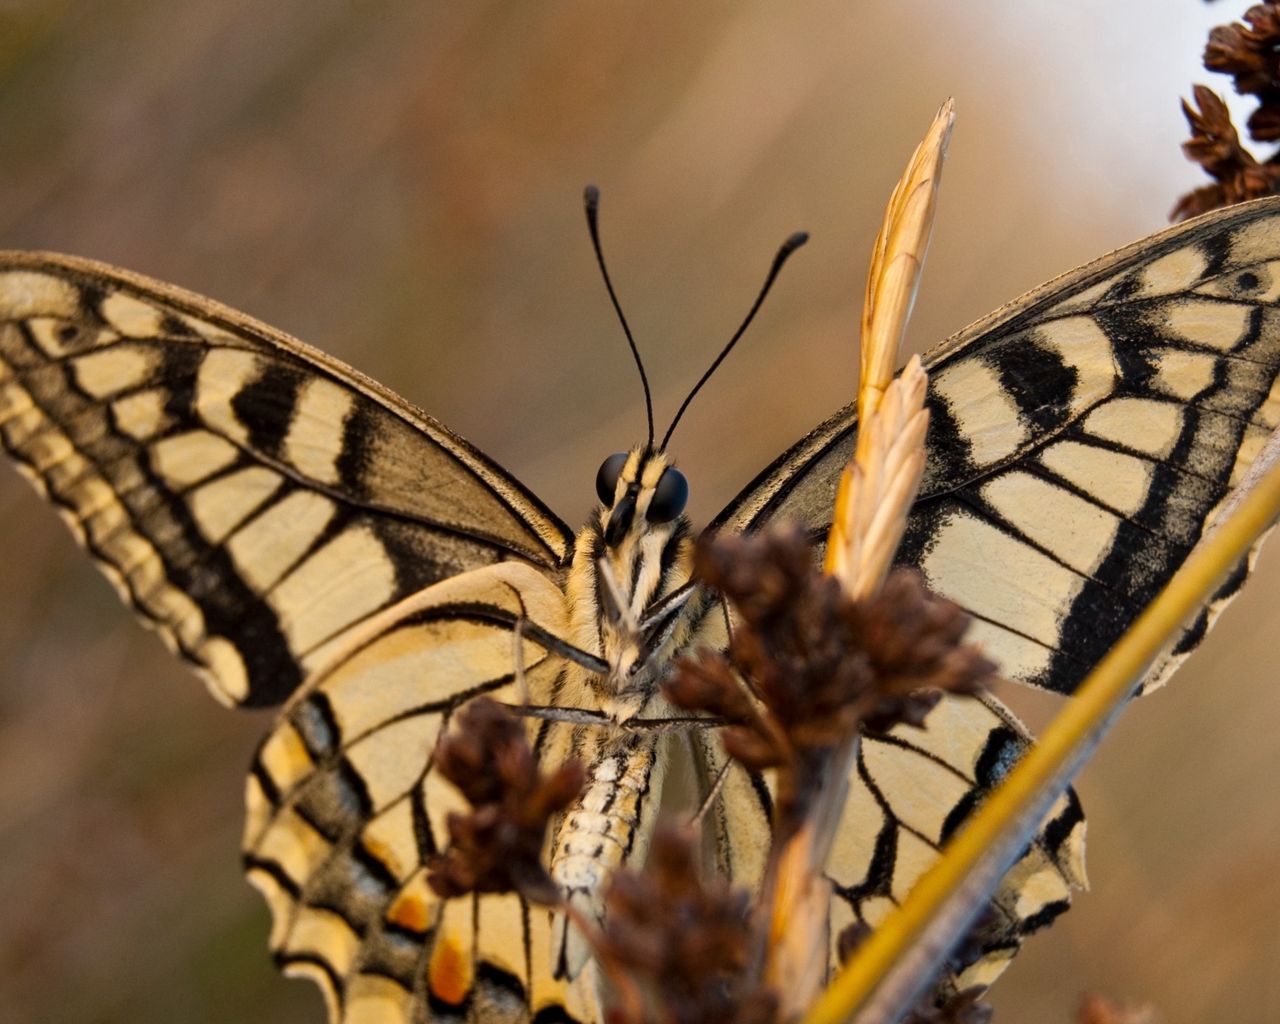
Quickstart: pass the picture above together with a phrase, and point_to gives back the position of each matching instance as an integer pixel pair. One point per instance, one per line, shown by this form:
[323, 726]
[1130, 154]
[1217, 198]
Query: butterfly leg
[712, 795]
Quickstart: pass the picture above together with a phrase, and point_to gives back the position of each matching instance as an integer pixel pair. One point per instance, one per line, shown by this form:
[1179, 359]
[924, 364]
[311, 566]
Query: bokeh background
[399, 183]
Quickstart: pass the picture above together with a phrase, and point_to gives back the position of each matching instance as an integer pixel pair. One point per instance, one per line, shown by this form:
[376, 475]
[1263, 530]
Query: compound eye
[669, 497]
[607, 477]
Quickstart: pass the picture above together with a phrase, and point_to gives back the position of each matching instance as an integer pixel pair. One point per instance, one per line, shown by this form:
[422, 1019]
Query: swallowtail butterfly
[306, 539]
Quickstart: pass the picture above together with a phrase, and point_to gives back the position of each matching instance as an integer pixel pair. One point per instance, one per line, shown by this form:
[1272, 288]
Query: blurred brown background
[399, 184]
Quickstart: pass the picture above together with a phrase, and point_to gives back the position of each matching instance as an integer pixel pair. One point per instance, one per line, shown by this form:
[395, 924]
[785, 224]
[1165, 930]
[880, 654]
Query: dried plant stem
[800, 900]
[876, 490]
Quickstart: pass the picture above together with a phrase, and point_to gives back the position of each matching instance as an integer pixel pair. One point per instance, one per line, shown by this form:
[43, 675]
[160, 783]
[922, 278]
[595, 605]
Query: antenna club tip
[788, 247]
[591, 197]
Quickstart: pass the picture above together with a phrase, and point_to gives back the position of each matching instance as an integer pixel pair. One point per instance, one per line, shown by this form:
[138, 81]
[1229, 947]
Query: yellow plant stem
[878, 984]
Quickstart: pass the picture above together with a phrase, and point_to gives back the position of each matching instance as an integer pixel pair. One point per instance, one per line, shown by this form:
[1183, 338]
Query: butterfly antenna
[591, 198]
[788, 247]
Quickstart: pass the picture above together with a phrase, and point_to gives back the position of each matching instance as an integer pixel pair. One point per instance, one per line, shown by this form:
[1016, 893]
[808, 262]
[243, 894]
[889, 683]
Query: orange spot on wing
[450, 974]
[409, 912]
[382, 853]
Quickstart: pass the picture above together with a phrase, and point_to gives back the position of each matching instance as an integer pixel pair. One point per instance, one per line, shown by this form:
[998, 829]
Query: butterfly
[306, 539]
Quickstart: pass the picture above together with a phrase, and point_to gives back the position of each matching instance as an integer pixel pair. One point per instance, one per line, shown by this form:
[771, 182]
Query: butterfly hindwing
[251, 498]
[345, 809]
[1080, 440]
[909, 790]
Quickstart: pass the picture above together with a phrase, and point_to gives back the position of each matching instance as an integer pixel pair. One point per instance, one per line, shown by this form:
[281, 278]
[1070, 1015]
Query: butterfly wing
[345, 808]
[251, 498]
[909, 790]
[1080, 441]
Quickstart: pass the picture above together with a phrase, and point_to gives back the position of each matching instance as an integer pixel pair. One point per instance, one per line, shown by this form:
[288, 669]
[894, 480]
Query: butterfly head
[636, 551]
[639, 551]
[640, 491]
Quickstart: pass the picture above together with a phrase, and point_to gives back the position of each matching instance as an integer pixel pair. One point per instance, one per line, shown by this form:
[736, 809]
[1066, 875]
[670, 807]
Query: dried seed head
[818, 662]
[1250, 54]
[685, 942]
[1215, 145]
[912, 638]
[498, 846]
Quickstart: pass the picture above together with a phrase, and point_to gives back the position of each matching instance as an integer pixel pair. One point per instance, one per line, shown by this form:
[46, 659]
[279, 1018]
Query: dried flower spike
[687, 943]
[880, 482]
[897, 259]
[498, 846]
[1250, 54]
[879, 485]
[806, 654]
[1215, 145]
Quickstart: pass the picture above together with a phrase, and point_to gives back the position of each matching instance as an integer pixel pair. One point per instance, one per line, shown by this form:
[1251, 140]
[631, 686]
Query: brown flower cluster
[1215, 145]
[1250, 53]
[817, 663]
[498, 846]
[686, 944]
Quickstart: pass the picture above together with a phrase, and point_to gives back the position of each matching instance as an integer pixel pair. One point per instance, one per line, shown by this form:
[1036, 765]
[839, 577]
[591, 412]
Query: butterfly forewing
[251, 498]
[1080, 440]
